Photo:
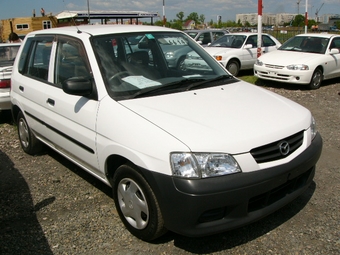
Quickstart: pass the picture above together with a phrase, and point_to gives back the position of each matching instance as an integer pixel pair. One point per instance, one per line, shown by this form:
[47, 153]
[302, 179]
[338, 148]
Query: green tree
[202, 18]
[180, 16]
[193, 16]
[299, 21]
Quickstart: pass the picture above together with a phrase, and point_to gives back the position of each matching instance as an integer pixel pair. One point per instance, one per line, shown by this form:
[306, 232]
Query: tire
[316, 80]
[136, 204]
[29, 143]
[233, 67]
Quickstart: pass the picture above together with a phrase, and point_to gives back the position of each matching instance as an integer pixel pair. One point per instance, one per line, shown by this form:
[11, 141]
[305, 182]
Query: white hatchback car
[238, 51]
[196, 153]
[306, 59]
[8, 52]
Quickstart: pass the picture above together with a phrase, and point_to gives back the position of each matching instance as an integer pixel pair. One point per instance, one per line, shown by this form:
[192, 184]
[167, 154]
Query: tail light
[5, 83]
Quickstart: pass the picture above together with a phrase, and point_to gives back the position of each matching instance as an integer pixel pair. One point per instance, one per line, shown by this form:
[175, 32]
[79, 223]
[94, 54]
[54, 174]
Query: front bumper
[283, 75]
[213, 205]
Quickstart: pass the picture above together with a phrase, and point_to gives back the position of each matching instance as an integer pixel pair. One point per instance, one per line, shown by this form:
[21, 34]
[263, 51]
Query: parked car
[206, 36]
[306, 59]
[238, 51]
[196, 153]
[8, 52]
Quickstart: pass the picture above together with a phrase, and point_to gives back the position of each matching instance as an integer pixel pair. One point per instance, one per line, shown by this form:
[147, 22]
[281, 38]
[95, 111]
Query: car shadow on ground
[20, 230]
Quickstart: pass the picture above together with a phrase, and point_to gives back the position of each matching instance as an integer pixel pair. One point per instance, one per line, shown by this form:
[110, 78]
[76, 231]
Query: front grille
[271, 152]
[273, 66]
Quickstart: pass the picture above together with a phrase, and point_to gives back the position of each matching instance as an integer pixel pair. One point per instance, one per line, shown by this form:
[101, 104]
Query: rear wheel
[316, 80]
[29, 143]
[136, 204]
[233, 67]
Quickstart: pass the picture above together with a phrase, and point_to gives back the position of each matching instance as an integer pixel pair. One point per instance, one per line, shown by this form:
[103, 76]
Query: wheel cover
[132, 203]
[316, 80]
[23, 133]
[233, 68]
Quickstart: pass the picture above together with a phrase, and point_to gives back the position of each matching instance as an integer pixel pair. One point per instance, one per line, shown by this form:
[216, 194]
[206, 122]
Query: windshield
[8, 54]
[308, 44]
[160, 63]
[229, 41]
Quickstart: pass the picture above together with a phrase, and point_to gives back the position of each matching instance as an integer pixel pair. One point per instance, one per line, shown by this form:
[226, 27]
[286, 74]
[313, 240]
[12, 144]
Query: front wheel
[316, 80]
[29, 143]
[136, 204]
[233, 67]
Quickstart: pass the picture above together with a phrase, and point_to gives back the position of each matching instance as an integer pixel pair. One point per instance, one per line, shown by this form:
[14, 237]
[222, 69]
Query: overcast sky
[226, 8]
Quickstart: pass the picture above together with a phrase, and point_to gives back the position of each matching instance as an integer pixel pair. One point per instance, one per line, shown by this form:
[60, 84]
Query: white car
[306, 59]
[8, 52]
[238, 51]
[196, 153]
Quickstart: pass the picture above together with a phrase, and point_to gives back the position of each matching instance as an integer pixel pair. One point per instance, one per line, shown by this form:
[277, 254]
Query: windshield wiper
[211, 82]
[170, 86]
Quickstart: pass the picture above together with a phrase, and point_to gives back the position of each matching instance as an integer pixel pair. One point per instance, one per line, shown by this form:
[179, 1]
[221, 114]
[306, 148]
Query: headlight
[258, 62]
[313, 129]
[298, 67]
[202, 165]
[169, 55]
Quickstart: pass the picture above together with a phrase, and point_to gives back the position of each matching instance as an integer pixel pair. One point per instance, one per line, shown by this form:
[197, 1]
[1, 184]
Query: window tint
[71, 61]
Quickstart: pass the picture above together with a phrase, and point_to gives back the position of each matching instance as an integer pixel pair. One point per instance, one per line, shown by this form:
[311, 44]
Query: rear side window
[35, 58]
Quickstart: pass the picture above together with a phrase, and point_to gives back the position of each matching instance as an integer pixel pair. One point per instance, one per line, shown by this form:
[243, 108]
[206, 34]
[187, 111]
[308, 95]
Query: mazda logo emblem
[284, 148]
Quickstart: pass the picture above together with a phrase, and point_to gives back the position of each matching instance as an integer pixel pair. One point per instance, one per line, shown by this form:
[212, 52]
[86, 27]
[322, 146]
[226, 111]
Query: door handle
[21, 88]
[50, 101]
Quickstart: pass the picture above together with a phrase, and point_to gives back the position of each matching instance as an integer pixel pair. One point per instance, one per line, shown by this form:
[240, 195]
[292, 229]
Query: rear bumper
[5, 101]
[213, 205]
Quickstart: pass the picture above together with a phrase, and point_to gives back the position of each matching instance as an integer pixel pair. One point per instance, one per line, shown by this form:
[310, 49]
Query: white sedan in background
[8, 52]
[238, 51]
[304, 59]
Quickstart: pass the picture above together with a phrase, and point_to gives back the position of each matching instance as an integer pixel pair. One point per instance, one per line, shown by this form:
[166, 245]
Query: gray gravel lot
[50, 206]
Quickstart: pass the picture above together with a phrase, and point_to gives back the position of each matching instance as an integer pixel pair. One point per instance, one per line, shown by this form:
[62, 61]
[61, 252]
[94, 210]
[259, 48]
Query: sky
[227, 9]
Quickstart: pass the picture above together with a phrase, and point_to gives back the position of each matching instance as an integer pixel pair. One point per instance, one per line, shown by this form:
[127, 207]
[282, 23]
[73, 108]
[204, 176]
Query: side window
[217, 35]
[252, 40]
[205, 38]
[267, 41]
[71, 61]
[39, 58]
[335, 43]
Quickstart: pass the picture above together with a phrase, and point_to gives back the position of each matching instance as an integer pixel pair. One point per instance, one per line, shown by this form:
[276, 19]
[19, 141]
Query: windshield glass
[229, 41]
[308, 44]
[145, 64]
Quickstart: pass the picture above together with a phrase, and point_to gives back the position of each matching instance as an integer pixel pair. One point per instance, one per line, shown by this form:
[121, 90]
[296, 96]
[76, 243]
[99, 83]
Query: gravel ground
[50, 206]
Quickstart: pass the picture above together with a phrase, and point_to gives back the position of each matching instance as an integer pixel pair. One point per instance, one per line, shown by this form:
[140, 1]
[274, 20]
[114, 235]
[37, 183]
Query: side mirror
[334, 51]
[78, 86]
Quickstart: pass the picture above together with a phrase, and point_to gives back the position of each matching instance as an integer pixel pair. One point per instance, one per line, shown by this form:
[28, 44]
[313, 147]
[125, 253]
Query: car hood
[220, 50]
[231, 118]
[284, 58]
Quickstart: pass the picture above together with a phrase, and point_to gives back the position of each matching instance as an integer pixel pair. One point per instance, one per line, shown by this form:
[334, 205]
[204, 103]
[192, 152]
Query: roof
[101, 29]
[105, 14]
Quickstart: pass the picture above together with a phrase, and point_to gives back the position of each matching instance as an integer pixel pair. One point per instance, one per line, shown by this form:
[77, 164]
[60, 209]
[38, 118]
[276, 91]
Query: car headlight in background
[258, 62]
[313, 128]
[298, 67]
[202, 165]
[169, 54]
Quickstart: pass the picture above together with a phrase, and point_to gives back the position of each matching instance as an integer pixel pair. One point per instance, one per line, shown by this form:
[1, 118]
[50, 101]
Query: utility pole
[259, 28]
[164, 13]
[306, 17]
